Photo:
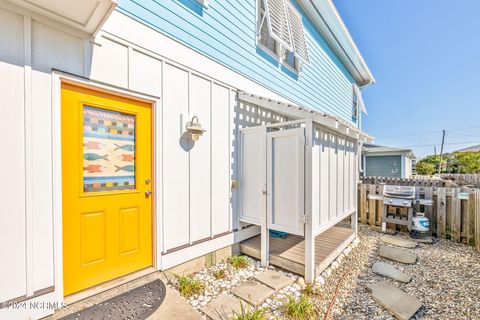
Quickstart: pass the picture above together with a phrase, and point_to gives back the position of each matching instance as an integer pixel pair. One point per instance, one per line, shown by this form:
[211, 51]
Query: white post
[354, 216]
[354, 220]
[264, 243]
[264, 233]
[309, 253]
[309, 238]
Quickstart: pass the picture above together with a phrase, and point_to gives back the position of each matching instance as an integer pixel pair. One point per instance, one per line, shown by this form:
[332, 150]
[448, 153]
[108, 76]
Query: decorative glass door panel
[108, 150]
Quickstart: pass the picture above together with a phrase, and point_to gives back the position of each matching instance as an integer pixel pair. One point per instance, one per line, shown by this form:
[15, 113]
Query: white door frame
[58, 78]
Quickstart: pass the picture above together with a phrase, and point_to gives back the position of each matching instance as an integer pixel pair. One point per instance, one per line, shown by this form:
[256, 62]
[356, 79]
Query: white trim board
[177, 257]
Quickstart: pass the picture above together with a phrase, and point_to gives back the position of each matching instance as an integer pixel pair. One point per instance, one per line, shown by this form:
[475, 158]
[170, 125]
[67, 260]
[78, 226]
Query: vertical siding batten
[211, 159]
[29, 178]
[200, 160]
[176, 163]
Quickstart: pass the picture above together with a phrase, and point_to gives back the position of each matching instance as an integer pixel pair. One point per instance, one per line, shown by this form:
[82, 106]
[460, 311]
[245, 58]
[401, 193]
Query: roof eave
[383, 151]
[329, 22]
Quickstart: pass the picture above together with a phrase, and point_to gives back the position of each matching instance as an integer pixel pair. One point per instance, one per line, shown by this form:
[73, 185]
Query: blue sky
[425, 56]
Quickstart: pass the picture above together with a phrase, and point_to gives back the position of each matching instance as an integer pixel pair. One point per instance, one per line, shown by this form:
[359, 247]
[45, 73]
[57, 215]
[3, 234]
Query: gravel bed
[234, 277]
[446, 278]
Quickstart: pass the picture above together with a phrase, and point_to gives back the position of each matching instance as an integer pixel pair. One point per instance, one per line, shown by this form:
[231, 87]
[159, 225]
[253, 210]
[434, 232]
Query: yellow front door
[107, 183]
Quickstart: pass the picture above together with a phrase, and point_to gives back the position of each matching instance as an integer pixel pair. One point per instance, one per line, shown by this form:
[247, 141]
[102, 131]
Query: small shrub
[239, 262]
[310, 290]
[246, 314]
[300, 309]
[188, 286]
[220, 274]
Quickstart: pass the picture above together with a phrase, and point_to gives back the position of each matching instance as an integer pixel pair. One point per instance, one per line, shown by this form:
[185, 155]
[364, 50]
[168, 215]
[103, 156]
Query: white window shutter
[278, 22]
[298, 34]
[360, 102]
[204, 3]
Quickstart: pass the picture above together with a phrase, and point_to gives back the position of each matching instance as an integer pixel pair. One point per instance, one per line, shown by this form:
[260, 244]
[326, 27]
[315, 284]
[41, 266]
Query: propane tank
[420, 223]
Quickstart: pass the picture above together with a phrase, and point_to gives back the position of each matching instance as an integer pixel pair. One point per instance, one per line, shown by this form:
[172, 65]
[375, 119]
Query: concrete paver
[399, 242]
[174, 307]
[274, 279]
[397, 255]
[390, 271]
[252, 292]
[402, 305]
[224, 307]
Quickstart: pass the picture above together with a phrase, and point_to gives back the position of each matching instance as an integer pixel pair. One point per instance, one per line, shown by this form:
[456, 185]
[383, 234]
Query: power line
[431, 144]
[465, 135]
[428, 132]
[433, 139]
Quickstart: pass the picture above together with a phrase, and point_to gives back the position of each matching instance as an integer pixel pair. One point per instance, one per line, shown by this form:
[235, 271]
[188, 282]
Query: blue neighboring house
[383, 161]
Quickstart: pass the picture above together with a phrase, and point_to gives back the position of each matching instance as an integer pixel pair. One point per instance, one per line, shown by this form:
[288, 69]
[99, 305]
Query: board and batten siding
[28, 52]
[226, 33]
[383, 166]
[194, 196]
[334, 178]
[195, 191]
[196, 177]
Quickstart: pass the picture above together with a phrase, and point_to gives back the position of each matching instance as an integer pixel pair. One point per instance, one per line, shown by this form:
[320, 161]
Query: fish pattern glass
[108, 150]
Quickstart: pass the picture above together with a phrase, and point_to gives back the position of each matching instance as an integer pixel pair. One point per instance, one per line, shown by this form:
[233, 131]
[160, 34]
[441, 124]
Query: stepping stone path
[273, 279]
[399, 242]
[253, 292]
[428, 240]
[402, 305]
[397, 255]
[390, 271]
[223, 307]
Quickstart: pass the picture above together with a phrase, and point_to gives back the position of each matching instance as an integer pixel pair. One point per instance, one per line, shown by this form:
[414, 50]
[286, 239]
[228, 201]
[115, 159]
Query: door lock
[148, 193]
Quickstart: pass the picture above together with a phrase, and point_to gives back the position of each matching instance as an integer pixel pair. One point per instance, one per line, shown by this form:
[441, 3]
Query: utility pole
[441, 152]
[435, 150]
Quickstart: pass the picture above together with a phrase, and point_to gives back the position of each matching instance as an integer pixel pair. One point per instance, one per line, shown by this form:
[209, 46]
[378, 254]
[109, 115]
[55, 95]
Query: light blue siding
[226, 32]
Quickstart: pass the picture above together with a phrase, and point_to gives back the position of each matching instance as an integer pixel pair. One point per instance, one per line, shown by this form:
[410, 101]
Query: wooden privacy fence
[404, 181]
[462, 179]
[455, 214]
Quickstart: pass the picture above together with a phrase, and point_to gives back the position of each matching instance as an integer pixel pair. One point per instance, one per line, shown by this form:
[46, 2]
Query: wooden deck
[289, 253]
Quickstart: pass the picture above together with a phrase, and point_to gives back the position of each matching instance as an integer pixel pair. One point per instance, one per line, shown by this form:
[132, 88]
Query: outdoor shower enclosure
[299, 177]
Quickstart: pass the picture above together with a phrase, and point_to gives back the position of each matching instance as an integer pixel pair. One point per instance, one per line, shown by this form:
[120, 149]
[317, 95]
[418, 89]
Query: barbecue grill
[400, 197]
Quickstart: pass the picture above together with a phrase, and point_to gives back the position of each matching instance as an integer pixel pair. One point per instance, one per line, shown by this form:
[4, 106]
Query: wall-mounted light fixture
[194, 128]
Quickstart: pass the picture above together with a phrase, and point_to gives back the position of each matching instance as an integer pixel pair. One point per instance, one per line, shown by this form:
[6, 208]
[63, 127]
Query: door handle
[148, 193]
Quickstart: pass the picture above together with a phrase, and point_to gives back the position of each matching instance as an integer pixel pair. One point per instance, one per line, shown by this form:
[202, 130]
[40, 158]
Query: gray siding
[383, 166]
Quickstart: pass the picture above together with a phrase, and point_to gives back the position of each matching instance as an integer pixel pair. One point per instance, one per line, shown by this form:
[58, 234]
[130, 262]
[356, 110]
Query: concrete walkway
[173, 307]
